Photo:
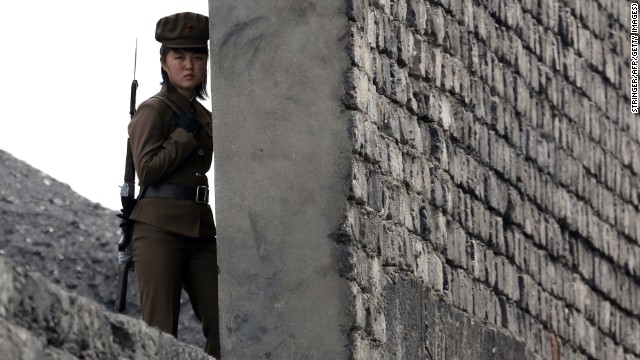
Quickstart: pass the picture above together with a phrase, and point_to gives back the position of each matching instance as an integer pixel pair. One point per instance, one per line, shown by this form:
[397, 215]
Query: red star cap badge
[189, 27]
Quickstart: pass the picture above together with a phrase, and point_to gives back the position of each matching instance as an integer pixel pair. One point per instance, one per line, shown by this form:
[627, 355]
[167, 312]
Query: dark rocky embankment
[40, 321]
[60, 241]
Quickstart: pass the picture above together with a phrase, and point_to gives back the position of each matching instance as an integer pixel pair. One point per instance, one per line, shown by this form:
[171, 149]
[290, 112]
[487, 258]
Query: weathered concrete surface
[39, 320]
[492, 162]
[281, 160]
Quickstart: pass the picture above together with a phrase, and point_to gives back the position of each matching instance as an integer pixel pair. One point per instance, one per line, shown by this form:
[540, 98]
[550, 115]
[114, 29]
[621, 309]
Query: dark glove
[126, 223]
[126, 226]
[189, 122]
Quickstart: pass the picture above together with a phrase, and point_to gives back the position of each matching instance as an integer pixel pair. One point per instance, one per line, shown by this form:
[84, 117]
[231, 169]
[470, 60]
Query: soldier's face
[186, 70]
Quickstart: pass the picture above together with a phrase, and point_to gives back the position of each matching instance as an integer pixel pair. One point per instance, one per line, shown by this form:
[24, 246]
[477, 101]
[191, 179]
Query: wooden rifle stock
[123, 279]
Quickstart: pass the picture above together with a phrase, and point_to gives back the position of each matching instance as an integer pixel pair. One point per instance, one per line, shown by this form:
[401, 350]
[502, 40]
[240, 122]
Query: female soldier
[173, 242]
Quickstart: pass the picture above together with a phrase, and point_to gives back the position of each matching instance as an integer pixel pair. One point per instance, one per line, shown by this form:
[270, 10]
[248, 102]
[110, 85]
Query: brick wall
[493, 206]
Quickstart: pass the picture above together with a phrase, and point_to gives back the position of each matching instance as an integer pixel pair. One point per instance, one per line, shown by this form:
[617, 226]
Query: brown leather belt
[199, 194]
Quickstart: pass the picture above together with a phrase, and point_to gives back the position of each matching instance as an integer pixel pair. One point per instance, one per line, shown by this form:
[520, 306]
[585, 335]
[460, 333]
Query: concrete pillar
[282, 158]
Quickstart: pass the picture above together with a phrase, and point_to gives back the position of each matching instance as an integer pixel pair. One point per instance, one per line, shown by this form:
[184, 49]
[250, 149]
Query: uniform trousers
[166, 262]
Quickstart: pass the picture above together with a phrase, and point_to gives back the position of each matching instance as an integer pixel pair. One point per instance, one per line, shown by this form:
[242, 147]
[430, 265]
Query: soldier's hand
[189, 122]
[126, 224]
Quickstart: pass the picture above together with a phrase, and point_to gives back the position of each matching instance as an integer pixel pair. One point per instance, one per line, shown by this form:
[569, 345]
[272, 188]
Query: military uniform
[173, 240]
[163, 153]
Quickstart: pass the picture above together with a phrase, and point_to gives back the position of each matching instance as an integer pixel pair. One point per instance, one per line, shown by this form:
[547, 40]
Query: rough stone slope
[48, 228]
[40, 321]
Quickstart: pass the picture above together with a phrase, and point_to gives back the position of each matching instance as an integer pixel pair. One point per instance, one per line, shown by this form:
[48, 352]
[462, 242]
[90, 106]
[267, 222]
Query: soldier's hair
[201, 89]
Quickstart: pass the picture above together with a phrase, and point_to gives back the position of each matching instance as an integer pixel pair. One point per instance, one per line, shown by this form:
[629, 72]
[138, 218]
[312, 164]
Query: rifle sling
[170, 103]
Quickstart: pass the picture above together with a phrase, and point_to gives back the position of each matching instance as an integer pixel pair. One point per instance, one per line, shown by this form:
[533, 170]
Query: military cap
[182, 30]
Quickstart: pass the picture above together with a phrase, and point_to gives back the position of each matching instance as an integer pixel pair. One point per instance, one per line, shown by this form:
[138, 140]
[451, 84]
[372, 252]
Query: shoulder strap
[170, 103]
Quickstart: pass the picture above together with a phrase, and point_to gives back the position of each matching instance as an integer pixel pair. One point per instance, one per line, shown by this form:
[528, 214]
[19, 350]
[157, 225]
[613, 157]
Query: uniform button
[198, 174]
[200, 152]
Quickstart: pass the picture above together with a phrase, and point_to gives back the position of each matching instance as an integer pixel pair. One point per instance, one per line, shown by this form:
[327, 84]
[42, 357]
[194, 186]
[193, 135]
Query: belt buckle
[202, 194]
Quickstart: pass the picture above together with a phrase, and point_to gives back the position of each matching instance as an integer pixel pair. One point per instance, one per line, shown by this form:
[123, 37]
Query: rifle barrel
[127, 196]
[134, 83]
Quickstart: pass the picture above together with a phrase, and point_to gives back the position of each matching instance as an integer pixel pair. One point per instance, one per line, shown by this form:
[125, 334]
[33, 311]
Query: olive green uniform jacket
[163, 153]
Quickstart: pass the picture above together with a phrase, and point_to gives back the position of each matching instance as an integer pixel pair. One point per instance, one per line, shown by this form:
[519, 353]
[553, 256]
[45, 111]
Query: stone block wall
[426, 179]
[494, 180]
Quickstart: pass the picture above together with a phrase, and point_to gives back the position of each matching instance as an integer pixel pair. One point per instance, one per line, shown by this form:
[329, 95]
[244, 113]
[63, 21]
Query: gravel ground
[46, 227]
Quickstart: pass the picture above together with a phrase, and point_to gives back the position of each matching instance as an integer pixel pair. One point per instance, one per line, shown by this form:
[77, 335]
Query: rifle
[128, 199]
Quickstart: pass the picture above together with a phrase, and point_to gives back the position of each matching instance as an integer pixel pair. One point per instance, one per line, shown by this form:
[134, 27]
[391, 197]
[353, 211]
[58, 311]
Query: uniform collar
[185, 104]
